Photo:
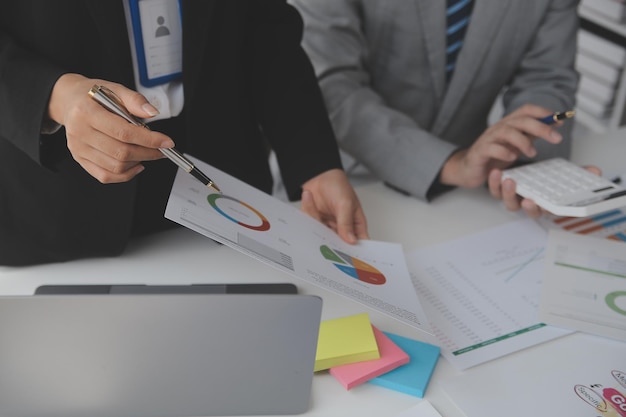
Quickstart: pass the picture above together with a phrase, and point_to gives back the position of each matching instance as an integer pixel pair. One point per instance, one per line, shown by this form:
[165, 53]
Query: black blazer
[247, 83]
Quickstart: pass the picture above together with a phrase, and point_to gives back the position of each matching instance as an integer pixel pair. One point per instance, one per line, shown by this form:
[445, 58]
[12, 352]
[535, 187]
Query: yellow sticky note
[345, 340]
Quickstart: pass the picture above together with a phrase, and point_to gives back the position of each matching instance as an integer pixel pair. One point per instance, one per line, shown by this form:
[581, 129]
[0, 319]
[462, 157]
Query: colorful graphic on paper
[613, 303]
[353, 267]
[607, 401]
[239, 212]
[608, 225]
[619, 377]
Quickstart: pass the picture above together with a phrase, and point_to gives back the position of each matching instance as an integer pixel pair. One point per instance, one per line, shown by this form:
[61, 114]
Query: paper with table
[585, 284]
[481, 292]
[371, 272]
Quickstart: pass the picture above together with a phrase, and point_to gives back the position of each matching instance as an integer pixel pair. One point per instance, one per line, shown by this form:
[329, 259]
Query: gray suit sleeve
[546, 75]
[383, 139]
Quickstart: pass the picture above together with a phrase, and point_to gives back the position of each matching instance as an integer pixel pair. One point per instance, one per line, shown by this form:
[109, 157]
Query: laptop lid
[158, 355]
[248, 288]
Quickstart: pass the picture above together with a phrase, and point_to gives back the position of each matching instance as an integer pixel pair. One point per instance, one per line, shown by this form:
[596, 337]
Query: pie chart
[353, 267]
[239, 212]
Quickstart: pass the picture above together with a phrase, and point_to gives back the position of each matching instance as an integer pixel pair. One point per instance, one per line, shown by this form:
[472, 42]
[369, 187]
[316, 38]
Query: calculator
[566, 189]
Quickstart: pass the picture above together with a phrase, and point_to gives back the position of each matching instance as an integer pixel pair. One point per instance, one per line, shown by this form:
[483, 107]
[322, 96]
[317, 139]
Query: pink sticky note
[391, 357]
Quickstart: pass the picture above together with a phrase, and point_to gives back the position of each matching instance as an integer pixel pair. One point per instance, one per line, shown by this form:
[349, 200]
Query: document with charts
[481, 292]
[585, 284]
[608, 225]
[279, 234]
[578, 376]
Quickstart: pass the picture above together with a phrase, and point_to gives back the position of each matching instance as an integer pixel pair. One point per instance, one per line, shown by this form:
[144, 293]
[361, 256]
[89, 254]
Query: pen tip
[212, 185]
[569, 114]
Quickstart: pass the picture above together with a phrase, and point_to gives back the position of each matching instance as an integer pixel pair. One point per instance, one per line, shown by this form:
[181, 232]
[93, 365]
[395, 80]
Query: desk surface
[182, 257]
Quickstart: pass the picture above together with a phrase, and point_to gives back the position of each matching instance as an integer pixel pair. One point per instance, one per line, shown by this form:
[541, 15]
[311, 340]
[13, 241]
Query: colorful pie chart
[239, 212]
[353, 267]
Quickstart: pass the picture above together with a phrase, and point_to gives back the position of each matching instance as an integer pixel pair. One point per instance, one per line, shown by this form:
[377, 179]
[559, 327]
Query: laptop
[165, 354]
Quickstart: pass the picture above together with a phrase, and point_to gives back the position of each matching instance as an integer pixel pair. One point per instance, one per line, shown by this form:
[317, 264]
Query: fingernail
[556, 136]
[167, 143]
[150, 109]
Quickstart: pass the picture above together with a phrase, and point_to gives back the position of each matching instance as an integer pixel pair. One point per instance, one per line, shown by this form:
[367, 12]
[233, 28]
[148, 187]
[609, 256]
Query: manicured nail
[167, 143]
[556, 136]
[150, 109]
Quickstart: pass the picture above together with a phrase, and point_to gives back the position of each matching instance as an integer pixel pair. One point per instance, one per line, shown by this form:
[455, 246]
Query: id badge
[157, 29]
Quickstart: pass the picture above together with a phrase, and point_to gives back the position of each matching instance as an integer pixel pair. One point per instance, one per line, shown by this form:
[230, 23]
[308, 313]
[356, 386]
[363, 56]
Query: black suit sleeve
[292, 112]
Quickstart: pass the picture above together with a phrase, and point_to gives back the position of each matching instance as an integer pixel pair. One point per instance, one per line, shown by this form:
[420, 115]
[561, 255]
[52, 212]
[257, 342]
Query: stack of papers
[584, 284]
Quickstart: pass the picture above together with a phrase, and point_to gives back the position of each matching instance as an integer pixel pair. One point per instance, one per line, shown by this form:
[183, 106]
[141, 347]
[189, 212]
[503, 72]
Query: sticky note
[412, 378]
[345, 340]
[391, 356]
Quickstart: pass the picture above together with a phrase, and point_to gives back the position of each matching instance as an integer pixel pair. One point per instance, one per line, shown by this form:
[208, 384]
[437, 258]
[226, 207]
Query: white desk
[182, 256]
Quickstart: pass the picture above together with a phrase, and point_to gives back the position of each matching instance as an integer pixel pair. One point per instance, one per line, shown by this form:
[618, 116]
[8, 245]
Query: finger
[593, 169]
[108, 153]
[135, 102]
[119, 129]
[498, 150]
[360, 224]
[510, 199]
[307, 205]
[494, 181]
[531, 209]
[537, 129]
[107, 177]
[513, 136]
[346, 224]
[534, 114]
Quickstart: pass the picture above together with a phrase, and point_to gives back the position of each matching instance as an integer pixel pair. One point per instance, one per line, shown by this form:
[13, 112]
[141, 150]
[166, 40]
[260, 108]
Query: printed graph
[239, 212]
[609, 225]
[353, 267]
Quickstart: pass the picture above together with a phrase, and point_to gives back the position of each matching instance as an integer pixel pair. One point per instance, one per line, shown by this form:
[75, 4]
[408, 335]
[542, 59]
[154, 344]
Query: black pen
[110, 101]
[558, 116]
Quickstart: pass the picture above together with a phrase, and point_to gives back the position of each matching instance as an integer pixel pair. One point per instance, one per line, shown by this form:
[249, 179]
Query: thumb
[135, 102]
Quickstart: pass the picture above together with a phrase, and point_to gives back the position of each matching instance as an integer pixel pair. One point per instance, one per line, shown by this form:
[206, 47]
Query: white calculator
[566, 189]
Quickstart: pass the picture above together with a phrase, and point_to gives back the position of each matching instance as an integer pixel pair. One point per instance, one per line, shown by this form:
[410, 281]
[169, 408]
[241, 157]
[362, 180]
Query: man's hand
[105, 145]
[499, 147]
[505, 191]
[330, 198]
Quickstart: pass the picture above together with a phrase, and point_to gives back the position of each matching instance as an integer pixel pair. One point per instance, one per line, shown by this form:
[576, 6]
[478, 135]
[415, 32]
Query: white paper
[577, 376]
[274, 232]
[585, 284]
[422, 409]
[481, 292]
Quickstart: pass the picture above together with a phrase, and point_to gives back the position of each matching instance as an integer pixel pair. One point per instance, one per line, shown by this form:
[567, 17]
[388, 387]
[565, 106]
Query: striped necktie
[457, 18]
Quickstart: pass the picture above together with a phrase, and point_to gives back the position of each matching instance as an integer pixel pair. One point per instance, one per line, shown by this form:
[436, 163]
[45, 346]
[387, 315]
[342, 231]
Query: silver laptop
[159, 355]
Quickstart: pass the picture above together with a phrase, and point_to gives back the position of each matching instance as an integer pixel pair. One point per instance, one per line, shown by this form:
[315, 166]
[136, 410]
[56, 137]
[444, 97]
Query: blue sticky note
[413, 377]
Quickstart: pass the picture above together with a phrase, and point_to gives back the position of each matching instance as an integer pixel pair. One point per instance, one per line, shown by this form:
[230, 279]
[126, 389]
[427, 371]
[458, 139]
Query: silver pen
[110, 101]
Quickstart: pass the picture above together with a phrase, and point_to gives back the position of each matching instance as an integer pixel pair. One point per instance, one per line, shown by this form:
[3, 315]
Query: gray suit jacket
[381, 63]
